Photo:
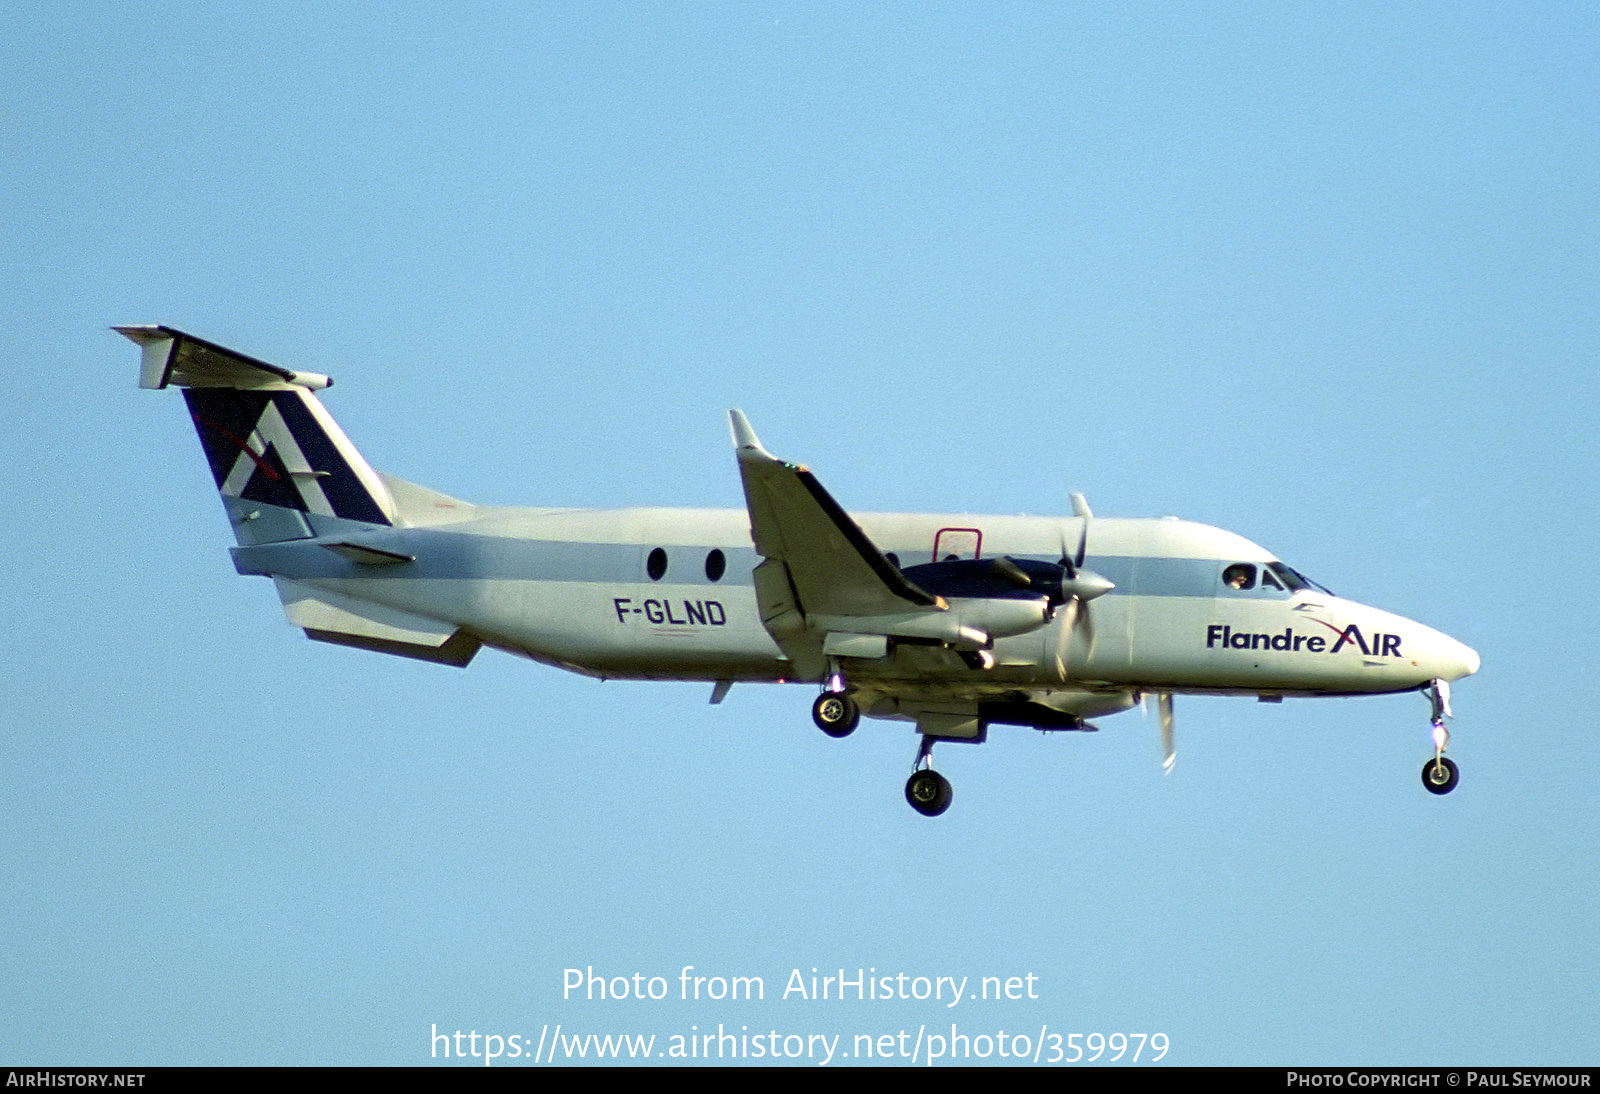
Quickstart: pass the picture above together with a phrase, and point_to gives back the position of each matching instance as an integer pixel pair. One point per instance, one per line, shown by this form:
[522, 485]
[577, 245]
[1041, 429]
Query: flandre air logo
[1222, 636]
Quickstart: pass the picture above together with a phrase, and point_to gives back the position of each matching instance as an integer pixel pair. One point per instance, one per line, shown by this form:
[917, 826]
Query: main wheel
[928, 792]
[835, 713]
[1440, 776]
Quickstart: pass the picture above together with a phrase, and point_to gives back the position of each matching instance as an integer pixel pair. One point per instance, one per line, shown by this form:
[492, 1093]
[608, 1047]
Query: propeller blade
[1080, 508]
[1077, 623]
[1086, 619]
[1169, 755]
[1066, 557]
[1064, 631]
[1010, 571]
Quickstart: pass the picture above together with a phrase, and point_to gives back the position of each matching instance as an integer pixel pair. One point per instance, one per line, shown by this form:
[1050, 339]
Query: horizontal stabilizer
[173, 357]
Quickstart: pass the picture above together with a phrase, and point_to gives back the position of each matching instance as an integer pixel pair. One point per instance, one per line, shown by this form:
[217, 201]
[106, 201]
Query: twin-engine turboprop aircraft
[952, 623]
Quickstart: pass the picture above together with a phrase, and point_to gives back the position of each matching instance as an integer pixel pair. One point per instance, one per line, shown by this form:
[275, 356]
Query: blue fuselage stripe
[445, 556]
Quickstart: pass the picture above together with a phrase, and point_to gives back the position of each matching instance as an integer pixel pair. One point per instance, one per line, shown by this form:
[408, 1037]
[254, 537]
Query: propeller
[1078, 587]
[1169, 752]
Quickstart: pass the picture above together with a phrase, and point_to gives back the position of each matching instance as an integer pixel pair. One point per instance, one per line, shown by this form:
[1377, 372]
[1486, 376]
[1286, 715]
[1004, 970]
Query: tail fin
[283, 466]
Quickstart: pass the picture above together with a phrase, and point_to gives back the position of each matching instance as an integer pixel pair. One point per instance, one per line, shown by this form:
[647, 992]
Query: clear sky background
[1326, 277]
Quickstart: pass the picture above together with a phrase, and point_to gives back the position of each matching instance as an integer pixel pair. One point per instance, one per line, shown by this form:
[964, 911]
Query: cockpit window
[1241, 575]
[1294, 580]
[1269, 582]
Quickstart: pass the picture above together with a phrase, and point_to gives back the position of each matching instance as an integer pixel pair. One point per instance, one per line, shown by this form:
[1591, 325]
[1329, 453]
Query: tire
[835, 713]
[928, 792]
[1440, 776]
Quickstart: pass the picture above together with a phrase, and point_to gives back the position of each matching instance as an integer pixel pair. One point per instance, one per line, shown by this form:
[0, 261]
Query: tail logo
[268, 447]
[272, 432]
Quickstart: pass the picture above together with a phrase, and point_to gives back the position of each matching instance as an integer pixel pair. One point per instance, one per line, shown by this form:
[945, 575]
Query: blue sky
[1321, 277]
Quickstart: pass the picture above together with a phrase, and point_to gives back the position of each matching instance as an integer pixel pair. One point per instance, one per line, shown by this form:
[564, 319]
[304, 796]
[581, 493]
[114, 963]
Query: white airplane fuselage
[572, 588]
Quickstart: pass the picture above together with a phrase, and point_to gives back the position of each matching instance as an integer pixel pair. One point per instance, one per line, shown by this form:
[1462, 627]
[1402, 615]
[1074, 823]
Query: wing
[824, 588]
[835, 568]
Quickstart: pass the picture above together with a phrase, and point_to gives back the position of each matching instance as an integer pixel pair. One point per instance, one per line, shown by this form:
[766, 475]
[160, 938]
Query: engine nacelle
[1002, 617]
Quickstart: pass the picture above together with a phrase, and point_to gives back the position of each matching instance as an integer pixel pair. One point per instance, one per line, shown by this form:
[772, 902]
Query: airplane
[952, 623]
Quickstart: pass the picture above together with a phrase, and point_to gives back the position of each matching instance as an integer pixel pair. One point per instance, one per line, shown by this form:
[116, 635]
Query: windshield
[1294, 580]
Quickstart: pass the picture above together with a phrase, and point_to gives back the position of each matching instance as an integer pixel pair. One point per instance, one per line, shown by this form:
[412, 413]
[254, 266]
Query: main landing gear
[1439, 774]
[928, 791]
[835, 713]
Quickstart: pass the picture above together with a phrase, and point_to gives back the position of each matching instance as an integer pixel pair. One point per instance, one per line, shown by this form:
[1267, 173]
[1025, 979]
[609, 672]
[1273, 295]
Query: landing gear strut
[1439, 774]
[928, 791]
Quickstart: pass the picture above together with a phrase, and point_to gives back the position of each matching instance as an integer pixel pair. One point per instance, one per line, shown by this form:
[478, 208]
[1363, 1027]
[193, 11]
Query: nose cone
[1451, 659]
[1401, 649]
[1468, 660]
[1434, 653]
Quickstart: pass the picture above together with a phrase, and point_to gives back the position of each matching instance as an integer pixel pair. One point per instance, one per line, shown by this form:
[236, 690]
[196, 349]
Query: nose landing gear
[1439, 774]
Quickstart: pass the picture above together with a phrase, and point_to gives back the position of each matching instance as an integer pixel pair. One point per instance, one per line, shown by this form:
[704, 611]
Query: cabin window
[716, 565]
[656, 564]
[1241, 576]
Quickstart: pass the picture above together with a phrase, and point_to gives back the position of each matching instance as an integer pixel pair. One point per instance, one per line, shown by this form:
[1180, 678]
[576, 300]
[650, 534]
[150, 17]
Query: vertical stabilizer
[283, 466]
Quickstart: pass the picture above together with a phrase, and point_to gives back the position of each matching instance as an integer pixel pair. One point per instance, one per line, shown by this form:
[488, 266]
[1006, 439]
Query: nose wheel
[1440, 775]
